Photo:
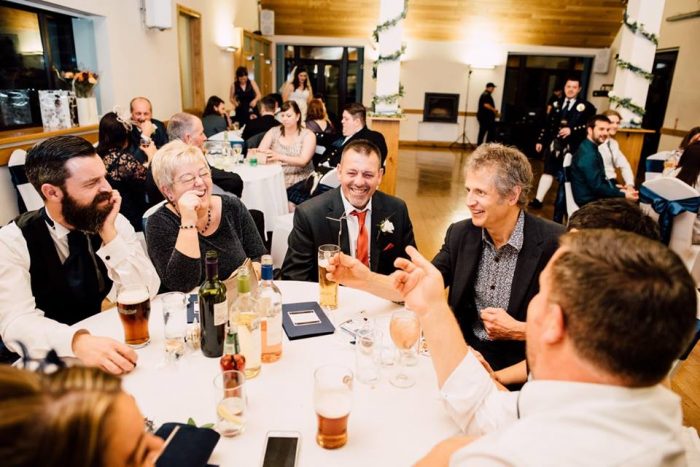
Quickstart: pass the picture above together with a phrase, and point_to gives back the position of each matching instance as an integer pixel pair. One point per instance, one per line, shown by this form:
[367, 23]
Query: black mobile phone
[281, 449]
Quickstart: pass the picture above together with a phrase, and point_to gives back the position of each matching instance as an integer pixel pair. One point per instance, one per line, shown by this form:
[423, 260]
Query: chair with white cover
[330, 179]
[149, 212]
[571, 206]
[681, 239]
[28, 199]
[280, 234]
[654, 165]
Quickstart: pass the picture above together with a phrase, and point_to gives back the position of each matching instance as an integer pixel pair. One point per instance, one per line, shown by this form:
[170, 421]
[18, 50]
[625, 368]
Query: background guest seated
[75, 416]
[268, 108]
[355, 127]
[688, 170]
[193, 221]
[144, 128]
[317, 119]
[59, 263]
[124, 172]
[293, 147]
[215, 119]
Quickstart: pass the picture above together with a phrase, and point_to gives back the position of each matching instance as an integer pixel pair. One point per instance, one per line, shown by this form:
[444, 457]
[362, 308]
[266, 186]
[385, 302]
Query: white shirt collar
[60, 230]
[349, 208]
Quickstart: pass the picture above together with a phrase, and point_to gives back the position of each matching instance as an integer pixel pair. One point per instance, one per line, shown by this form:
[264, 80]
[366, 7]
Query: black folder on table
[190, 447]
[305, 319]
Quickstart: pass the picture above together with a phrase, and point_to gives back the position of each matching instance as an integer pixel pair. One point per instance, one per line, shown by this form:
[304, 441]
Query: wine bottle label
[220, 313]
[274, 329]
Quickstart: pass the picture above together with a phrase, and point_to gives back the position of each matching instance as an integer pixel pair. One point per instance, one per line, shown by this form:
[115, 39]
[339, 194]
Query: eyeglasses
[187, 179]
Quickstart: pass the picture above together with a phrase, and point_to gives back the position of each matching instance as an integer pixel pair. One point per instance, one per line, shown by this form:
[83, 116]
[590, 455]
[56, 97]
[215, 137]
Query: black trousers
[487, 128]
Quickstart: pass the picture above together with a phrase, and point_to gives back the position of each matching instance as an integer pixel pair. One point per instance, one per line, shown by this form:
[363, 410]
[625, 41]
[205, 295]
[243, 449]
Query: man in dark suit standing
[491, 262]
[486, 115]
[588, 179]
[369, 225]
[354, 128]
[144, 129]
[266, 120]
[564, 130]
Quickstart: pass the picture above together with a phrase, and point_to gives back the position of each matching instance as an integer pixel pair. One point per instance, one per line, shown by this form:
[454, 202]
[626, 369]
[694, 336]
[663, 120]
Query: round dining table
[388, 426]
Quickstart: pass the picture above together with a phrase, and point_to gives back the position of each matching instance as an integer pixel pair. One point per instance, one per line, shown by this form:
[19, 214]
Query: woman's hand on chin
[189, 202]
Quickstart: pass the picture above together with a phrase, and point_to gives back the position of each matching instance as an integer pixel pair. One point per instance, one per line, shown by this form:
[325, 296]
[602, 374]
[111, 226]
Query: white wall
[133, 60]
[684, 101]
[442, 67]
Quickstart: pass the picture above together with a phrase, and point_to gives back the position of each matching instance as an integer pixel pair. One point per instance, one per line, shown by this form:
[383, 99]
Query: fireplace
[440, 107]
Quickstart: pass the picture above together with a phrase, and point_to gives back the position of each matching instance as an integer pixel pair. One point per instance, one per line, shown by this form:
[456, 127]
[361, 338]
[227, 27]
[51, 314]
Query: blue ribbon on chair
[655, 165]
[667, 209]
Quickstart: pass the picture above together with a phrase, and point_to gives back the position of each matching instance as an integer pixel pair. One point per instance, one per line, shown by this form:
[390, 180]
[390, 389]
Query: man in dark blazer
[491, 262]
[355, 128]
[144, 128]
[368, 224]
[266, 120]
[588, 179]
[564, 130]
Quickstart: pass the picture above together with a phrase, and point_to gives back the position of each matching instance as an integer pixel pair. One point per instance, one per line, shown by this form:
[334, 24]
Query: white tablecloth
[388, 426]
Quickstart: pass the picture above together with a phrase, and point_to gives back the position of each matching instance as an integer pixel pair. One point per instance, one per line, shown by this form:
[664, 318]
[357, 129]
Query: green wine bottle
[213, 308]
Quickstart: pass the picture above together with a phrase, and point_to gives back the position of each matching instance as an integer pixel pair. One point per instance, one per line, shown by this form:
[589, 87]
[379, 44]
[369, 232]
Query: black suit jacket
[259, 125]
[458, 261]
[576, 119]
[159, 137]
[365, 133]
[312, 229]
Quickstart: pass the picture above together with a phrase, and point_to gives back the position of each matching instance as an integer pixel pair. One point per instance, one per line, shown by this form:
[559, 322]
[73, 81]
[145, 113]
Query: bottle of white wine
[244, 314]
[269, 301]
[213, 309]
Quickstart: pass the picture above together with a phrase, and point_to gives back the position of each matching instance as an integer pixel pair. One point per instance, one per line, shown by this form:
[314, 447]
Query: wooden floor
[432, 184]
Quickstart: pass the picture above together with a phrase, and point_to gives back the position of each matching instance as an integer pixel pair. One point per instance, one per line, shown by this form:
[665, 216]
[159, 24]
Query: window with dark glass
[33, 43]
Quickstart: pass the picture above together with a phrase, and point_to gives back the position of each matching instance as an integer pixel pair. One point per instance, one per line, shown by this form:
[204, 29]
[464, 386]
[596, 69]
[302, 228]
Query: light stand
[463, 140]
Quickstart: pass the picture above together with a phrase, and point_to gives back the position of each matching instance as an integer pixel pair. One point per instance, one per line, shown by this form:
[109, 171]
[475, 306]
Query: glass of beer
[230, 399]
[404, 328]
[134, 305]
[332, 403]
[329, 289]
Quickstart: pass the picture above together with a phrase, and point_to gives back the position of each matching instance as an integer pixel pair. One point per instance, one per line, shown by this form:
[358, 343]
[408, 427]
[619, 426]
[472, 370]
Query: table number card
[306, 319]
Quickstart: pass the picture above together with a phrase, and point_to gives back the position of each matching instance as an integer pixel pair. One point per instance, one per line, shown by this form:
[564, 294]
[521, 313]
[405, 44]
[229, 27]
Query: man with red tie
[367, 224]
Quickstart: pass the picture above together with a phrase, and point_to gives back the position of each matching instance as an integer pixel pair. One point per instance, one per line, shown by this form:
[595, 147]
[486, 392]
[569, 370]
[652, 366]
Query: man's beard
[86, 218]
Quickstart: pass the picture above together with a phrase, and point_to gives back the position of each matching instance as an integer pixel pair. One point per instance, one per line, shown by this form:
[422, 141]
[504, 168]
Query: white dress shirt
[613, 158]
[354, 224]
[566, 423]
[21, 320]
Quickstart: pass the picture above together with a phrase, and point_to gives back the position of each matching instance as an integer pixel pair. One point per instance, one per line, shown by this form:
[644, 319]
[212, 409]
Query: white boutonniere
[556, 104]
[580, 107]
[386, 227]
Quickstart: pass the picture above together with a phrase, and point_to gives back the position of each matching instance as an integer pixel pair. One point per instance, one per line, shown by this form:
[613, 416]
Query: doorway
[334, 72]
[189, 41]
[657, 101]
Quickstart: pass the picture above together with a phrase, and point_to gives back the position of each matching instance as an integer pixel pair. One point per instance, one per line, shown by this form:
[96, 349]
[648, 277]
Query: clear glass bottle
[212, 308]
[244, 314]
[269, 301]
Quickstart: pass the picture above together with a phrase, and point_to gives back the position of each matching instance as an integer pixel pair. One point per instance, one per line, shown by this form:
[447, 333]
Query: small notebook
[190, 447]
[305, 319]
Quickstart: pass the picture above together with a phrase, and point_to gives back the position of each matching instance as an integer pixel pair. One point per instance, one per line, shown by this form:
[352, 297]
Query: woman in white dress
[299, 90]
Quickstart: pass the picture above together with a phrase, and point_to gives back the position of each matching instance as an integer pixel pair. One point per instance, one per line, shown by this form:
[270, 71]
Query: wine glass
[404, 328]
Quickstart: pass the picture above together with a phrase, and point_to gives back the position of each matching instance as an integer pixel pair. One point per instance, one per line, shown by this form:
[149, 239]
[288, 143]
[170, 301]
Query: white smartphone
[281, 449]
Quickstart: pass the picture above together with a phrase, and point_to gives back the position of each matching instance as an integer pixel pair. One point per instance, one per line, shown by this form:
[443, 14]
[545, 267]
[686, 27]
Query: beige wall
[682, 112]
[135, 61]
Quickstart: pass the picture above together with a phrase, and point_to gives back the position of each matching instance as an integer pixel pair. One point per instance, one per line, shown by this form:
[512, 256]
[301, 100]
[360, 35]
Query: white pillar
[388, 73]
[639, 51]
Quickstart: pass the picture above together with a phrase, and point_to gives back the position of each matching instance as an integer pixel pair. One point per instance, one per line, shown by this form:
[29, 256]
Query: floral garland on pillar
[395, 56]
[626, 102]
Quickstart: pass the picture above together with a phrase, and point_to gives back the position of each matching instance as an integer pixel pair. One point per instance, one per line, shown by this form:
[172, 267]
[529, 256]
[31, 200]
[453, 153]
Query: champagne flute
[404, 328]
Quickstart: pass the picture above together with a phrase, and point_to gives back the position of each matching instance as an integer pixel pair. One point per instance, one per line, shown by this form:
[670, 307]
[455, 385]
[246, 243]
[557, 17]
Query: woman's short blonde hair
[57, 419]
[171, 156]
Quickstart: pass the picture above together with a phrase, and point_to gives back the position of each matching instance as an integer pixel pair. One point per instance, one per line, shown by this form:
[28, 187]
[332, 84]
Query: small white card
[304, 317]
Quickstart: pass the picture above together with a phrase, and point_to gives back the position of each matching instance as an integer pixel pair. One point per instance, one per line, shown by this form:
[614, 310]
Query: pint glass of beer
[134, 305]
[332, 403]
[329, 289]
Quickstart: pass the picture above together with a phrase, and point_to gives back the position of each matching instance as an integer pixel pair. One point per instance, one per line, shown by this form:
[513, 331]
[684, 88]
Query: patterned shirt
[494, 277]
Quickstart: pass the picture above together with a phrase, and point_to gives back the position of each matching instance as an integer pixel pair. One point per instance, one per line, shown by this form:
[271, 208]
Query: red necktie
[361, 251]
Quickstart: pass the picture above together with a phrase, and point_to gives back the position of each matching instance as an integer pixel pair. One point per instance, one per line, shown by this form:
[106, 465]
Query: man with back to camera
[58, 263]
[268, 108]
[591, 401]
[375, 226]
[490, 262]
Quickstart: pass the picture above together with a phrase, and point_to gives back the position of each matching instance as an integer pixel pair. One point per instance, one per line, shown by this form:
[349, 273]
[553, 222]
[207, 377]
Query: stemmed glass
[404, 328]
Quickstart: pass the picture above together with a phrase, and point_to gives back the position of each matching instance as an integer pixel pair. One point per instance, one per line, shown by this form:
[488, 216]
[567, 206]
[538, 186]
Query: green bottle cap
[243, 281]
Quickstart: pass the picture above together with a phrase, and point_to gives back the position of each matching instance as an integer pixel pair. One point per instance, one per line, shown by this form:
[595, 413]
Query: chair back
[280, 235]
[28, 199]
[330, 179]
[571, 206]
[681, 239]
[654, 164]
[259, 220]
[149, 212]
[255, 140]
